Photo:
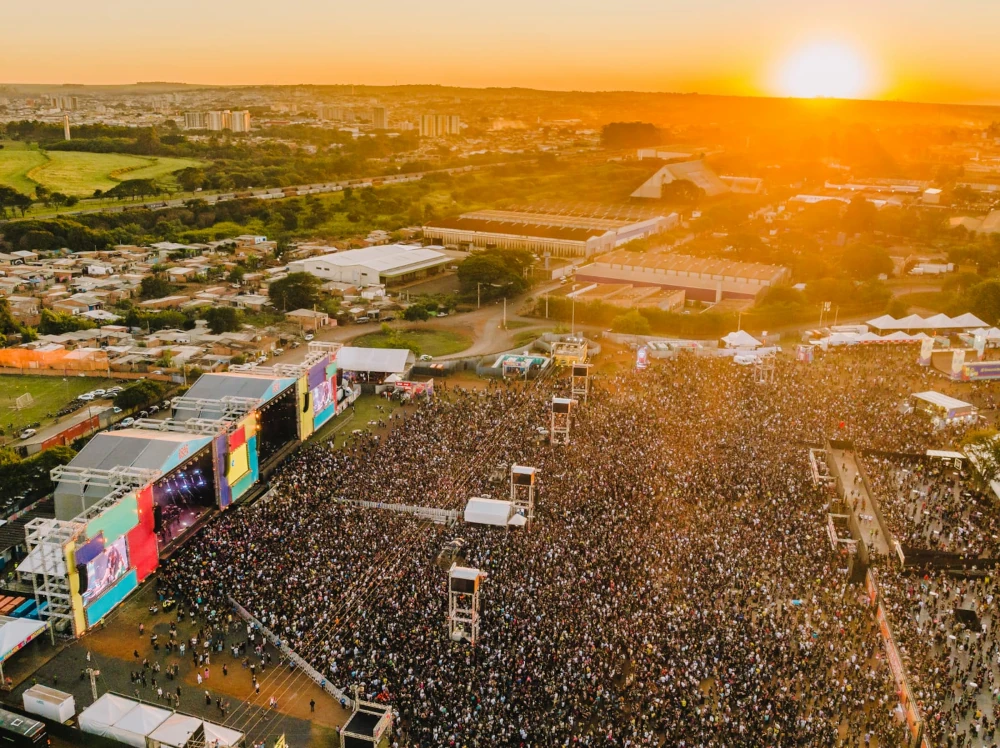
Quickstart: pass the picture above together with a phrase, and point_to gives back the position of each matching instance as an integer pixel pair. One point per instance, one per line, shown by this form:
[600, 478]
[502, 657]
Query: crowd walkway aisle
[847, 471]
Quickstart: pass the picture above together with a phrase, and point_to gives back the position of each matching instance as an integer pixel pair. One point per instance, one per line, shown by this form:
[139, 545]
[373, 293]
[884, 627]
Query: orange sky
[914, 49]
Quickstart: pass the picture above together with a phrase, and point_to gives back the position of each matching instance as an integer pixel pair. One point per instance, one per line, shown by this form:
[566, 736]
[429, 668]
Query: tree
[860, 215]
[223, 319]
[494, 273]
[983, 445]
[236, 275]
[416, 313]
[57, 323]
[154, 287]
[631, 323]
[862, 262]
[984, 301]
[11, 198]
[142, 393]
[681, 192]
[629, 135]
[42, 193]
[295, 291]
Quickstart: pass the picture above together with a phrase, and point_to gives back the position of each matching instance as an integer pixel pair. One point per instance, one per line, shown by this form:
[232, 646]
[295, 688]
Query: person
[312, 705]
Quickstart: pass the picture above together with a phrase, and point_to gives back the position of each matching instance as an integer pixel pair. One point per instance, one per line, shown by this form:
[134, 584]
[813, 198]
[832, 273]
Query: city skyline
[894, 50]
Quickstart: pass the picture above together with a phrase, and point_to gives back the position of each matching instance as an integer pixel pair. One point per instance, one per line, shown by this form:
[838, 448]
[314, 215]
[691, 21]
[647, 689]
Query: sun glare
[827, 69]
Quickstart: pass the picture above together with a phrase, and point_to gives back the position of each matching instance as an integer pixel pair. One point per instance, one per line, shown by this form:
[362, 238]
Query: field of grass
[366, 408]
[15, 162]
[430, 342]
[49, 393]
[79, 174]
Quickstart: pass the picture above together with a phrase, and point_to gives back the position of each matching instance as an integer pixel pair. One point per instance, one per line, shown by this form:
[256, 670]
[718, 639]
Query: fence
[441, 516]
[304, 666]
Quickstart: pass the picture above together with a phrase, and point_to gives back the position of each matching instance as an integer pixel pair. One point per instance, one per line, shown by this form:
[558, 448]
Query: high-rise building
[194, 121]
[241, 121]
[213, 121]
[379, 119]
[428, 126]
[66, 103]
[439, 125]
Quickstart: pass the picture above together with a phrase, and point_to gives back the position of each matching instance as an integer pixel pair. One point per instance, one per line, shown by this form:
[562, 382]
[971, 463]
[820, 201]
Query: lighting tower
[463, 603]
[561, 419]
[763, 368]
[522, 490]
[581, 381]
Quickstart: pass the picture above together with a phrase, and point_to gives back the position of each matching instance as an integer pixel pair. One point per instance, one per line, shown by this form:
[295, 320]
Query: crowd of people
[675, 588]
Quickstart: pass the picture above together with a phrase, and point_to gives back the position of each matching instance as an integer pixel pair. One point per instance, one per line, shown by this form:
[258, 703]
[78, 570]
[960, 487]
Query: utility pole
[478, 286]
[504, 312]
[546, 306]
[93, 681]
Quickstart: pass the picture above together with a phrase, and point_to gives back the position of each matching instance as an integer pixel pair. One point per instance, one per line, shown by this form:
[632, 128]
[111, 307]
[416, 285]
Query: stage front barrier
[441, 516]
[318, 678]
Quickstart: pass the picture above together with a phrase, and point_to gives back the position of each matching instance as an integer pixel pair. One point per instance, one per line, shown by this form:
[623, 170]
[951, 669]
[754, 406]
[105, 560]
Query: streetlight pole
[504, 312]
[478, 285]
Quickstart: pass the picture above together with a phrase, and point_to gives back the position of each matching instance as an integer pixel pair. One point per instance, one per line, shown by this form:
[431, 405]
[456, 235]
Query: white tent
[98, 718]
[868, 337]
[741, 339]
[991, 334]
[968, 320]
[140, 721]
[885, 322]
[482, 511]
[913, 322]
[938, 321]
[174, 732]
[217, 736]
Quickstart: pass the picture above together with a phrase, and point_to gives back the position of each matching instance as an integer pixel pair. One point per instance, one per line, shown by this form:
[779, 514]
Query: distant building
[428, 126]
[216, 121]
[195, 121]
[240, 121]
[379, 119]
[693, 171]
[372, 266]
[700, 278]
[439, 125]
[559, 235]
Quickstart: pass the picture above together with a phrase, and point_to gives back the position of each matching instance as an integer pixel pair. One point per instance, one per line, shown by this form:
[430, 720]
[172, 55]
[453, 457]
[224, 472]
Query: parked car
[309, 336]
[154, 409]
[100, 393]
[116, 410]
[126, 422]
[86, 397]
[28, 433]
[388, 318]
[143, 414]
[362, 320]
[425, 357]
[158, 371]
[278, 351]
[166, 403]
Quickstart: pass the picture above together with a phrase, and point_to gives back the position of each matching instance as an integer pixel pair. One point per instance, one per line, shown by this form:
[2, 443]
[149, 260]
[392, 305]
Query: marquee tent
[741, 339]
[965, 321]
[98, 718]
[139, 722]
[482, 511]
[175, 731]
[218, 736]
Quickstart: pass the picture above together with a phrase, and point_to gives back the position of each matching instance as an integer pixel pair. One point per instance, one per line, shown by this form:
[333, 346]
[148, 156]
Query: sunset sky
[922, 50]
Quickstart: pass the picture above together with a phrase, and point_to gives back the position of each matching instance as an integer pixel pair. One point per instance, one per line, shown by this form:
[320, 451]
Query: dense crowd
[676, 586]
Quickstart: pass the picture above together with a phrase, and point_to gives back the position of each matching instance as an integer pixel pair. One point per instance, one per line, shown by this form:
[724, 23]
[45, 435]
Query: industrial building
[561, 235]
[628, 296]
[692, 171]
[372, 266]
[701, 279]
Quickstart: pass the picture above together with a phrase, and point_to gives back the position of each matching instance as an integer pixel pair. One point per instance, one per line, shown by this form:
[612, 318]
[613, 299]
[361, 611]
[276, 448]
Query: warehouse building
[691, 171]
[373, 266]
[701, 279]
[558, 234]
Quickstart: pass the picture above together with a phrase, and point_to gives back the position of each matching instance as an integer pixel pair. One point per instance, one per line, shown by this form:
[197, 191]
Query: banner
[642, 358]
[926, 349]
[979, 345]
[957, 362]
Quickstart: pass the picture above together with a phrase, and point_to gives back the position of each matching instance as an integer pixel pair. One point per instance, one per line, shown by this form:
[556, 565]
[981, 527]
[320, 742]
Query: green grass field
[79, 174]
[49, 393]
[430, 342]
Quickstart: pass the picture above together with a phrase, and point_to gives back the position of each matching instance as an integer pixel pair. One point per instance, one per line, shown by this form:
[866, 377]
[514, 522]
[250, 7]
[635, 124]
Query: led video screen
[105, 569]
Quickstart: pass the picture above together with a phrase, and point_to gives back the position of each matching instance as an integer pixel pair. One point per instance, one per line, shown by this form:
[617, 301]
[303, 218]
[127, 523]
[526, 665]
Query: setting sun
[824, 69]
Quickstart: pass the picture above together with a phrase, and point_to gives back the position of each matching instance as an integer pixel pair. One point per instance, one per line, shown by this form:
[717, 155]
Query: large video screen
[105, 569]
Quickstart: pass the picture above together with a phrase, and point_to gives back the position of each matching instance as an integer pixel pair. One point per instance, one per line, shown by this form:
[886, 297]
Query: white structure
[373, 266]
[915, 322]
[58, 706]
[240, 121]
[581, 381]
[691, 171]
[483, 511]
[561, 420]
[463, 603]
[741, 339]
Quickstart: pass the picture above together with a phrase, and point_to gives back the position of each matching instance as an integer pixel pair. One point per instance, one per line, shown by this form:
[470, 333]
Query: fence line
[275, 640]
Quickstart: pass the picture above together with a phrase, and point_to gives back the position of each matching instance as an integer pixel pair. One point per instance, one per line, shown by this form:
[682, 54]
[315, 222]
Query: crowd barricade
[911, 711]
[301, 664]
[440, 516]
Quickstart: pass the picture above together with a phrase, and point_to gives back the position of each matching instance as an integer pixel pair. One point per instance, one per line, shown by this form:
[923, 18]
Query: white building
[241, 121]
[379, 119]
[372, 266]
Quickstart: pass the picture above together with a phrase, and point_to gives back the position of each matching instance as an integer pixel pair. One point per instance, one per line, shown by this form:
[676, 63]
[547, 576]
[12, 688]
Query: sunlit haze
[712, 46]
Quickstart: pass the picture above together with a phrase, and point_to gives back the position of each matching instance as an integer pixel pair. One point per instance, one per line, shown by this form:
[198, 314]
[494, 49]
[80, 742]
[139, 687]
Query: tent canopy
[176, 730]
[221, 736]
[15, 633]
[139, 722]
[741, 339]
[383, 360]
[483, 511]
[104, 712]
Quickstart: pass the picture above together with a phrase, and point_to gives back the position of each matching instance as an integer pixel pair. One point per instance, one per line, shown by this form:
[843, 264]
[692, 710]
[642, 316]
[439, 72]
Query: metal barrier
[304, 666]
[441, 516]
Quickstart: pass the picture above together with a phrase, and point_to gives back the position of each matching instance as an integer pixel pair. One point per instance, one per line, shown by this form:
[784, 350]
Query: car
[278, 351]
[86, 397]
[362, 320]
[115, 390]
[158, 371]
[296, 344]
[388, 318]
[442, 314]
[143, 414]
[309, 336]
[425, 357]
[154, 408]
[166, 403]
[100, 393]
[126, 422]
[116, 410]
[28, 433]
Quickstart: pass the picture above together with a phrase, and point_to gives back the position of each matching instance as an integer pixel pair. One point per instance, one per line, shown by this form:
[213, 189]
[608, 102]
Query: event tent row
[965, 321]
[138, 724]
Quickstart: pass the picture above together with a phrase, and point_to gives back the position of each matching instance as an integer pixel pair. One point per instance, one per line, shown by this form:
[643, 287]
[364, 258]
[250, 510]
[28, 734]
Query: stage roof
[15, 633]
[138, 448]
[233, 384]
[941, 400]
[384, 360]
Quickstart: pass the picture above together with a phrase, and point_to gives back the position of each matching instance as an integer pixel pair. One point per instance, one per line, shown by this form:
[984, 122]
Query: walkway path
[847, 470]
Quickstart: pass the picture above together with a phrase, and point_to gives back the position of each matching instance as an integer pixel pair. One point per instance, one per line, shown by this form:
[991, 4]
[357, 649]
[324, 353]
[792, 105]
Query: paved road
[847, 469]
